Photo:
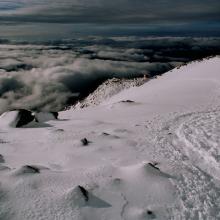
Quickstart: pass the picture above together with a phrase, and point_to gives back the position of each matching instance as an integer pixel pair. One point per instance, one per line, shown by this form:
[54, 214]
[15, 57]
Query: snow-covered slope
[108, 89]
[152, 152]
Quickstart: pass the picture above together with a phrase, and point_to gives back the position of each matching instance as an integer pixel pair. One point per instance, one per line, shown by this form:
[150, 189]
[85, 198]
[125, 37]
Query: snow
[108, 89]
[153, 152]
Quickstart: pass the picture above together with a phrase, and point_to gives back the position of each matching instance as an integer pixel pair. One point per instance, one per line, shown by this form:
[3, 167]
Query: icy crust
[149, 152]
[108, 89]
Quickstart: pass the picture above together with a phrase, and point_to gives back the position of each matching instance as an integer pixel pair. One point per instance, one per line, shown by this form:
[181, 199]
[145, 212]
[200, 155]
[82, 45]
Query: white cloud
[46, 76]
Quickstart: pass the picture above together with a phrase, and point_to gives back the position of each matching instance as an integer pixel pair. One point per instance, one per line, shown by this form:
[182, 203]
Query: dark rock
[55, 114]
[35, 169]
[153, 165]
[84, 192]
[29, 169]
[84, 141]
[83, 198]
[59, 130]
[106, 134]
[127, 101]
[24, 117]
[149, 212]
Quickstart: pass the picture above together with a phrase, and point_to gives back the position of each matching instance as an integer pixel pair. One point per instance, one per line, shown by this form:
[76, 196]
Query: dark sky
[64, 18]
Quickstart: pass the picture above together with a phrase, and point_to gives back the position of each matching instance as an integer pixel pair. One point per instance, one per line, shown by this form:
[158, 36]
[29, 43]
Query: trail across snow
[153, 152]
[190, 142]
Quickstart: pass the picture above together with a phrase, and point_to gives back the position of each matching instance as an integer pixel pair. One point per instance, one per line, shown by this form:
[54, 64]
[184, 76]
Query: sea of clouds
[50, 75]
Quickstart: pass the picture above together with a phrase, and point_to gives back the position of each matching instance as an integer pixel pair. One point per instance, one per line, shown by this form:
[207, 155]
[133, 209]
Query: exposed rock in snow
[84, 141]
[80, 197]
[153, 165]
[17, 118]
[22, 117]
[27, 169]
[85, 193]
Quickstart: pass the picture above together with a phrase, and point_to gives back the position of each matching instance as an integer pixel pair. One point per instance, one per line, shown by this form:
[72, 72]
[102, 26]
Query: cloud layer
[161, 16]
[102, 11]
[51, 75]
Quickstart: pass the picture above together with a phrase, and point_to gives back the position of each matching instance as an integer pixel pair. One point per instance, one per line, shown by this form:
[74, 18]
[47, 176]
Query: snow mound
[17, 118]
[80, 197]
[27, 169]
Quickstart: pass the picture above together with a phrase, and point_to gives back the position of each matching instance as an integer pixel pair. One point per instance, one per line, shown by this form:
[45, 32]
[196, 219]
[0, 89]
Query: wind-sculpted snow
[52, 75]
[148, 152]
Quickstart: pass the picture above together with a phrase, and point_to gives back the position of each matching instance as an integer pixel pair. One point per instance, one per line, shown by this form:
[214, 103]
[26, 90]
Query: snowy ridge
[108, 89]
[152, 152]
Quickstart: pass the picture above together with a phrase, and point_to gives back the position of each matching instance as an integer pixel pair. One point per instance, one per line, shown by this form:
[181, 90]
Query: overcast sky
[46, 17]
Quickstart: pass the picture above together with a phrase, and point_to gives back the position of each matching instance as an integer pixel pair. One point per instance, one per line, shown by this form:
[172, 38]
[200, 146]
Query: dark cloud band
[102, 11]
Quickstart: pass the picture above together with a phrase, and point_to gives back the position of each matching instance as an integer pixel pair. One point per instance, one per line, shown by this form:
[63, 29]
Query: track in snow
[191, 143]
[200, 134]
